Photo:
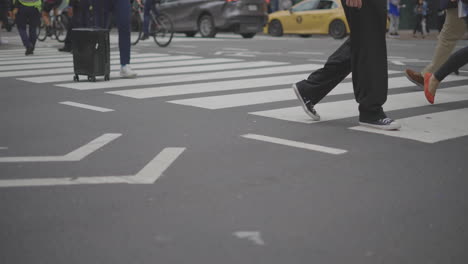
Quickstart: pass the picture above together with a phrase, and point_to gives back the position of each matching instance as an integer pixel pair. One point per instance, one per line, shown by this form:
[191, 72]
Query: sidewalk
[408, 35]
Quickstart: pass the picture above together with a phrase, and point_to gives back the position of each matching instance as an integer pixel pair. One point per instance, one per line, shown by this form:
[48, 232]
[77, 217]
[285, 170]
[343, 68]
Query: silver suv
[245, 17]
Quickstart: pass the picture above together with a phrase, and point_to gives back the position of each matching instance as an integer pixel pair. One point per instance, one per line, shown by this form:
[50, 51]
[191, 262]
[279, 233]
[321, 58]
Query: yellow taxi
[310, 17]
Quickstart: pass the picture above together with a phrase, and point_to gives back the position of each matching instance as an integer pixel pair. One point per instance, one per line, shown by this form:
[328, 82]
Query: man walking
[27, 12]
[364, 54]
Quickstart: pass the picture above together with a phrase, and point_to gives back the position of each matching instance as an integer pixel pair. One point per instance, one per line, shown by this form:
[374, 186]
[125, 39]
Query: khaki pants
[453, 30]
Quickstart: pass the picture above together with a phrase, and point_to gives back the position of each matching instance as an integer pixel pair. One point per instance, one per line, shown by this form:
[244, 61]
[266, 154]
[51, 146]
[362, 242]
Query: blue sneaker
[384, 124]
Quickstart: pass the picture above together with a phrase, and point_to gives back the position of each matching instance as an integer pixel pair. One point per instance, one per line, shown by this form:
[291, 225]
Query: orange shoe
[430, 97]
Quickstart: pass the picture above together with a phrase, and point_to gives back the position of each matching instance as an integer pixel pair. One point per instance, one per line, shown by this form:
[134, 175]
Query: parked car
[245, 17]
[310, 17]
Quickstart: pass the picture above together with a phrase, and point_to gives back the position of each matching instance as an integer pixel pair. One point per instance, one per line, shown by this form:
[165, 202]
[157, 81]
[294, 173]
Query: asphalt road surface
[207, 157]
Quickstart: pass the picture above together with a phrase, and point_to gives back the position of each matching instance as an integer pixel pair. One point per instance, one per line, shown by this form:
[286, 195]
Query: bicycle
[59, 26]
[161, 27]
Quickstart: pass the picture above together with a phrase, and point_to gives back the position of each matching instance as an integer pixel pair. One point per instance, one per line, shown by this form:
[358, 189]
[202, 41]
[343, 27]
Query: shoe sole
[392, 126]
[413, 81]
[314, 117]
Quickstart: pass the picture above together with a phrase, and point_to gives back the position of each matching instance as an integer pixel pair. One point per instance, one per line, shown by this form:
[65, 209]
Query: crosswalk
[225, 83]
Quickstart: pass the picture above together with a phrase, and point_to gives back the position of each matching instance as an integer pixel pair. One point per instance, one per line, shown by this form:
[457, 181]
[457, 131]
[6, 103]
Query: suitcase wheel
[106, 77]
[92, 78]
[76, 78]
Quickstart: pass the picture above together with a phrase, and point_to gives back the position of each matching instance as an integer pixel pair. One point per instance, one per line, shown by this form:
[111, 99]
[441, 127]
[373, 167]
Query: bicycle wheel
[60, 28]
[136, 28]
[42, 31]
[163, 30]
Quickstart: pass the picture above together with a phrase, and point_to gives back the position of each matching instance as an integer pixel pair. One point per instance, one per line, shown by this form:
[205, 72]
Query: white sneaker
[384, 124]
[127, 72]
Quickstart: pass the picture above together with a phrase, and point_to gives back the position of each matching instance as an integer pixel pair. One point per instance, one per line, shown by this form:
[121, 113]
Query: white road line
[55, 55]
[185, 89]
[89, 107]
[397, 62]
[349, 108]
[305, 53]
[296, 144]
[429, 128]
[75, 155]
[191, 77]
[3, 148]
[165, 71]
[162, 64]
[114, 61]
[148, 175]
[70, 58]
[22, 50]
[243, 99]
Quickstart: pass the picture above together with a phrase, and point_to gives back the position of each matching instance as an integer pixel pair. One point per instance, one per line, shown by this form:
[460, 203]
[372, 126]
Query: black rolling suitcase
[91, 53]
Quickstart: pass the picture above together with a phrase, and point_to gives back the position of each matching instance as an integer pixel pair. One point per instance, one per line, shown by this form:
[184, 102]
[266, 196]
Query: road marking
[191, 77]
[253, 236]
[349, 108]
[429, 128]
[397, 62]
[161, 64]
[70, 58]
[3, 148]
[85, 106]
[252, 98]
[114, 61]
[75, 155]
[296, 144]
[148, 175]
[165, 71]
[305, 53]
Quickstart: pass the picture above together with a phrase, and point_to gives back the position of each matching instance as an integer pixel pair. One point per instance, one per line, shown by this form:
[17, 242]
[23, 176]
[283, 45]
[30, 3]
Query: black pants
[455, 62]
[80, 19]
[365, 55]
[31, 16]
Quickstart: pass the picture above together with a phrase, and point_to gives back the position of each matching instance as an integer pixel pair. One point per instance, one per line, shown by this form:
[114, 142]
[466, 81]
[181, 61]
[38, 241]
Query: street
[208, 157]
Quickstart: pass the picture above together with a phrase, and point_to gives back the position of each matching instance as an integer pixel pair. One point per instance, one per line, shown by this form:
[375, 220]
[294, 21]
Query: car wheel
[275, 28]
[337, 29]
[248, 35]
[206, 27]
[190, 34]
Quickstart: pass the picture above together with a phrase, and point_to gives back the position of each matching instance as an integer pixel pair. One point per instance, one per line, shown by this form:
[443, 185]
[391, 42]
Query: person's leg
[122, 8]
[34, 23]
[21, 22]
[453, 29]
[454, 62]
[322, 81]
[397, 24]
[369, 57]
[147, 9]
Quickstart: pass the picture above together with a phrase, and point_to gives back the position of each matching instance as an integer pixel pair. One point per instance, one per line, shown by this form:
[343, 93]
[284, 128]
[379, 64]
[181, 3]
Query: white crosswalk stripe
[220, 83]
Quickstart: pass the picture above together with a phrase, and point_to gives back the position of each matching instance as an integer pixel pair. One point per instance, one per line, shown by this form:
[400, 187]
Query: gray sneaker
[384, 124]
[306, 104]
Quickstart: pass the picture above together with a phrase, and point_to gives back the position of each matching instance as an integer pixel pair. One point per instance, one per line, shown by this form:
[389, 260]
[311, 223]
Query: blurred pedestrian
[394, 15]
[5, 6]
[78, 11]
[27, 13]
[122, 14]
[48, 6]
[453, 30]
[420, 12]
[148, 7]
[364, 54]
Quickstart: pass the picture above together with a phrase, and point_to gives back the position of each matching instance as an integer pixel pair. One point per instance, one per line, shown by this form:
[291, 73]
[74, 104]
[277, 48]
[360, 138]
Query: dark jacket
[445, 4]
[6, 4]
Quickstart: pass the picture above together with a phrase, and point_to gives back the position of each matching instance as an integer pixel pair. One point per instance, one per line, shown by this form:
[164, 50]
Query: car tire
[190, 34]
[206, 26]
[275, 28]
[337, 29]
[248, 35]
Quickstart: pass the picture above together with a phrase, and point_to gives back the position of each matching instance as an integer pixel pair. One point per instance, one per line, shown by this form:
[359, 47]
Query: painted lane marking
[159, 71]
[75, 155]
[349, 108]
[116, 67]
[296, 144]
[252, 98]
[114, 61]
[148, 175]
[397, 62]
[253, 236]
[3, 148]
[190, 77]
[429, 128]
[86, 106]
[70, 58]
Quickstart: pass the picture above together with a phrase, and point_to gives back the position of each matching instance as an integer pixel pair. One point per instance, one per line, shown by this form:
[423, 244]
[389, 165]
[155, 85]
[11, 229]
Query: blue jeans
[122, 13]
[149, 6]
